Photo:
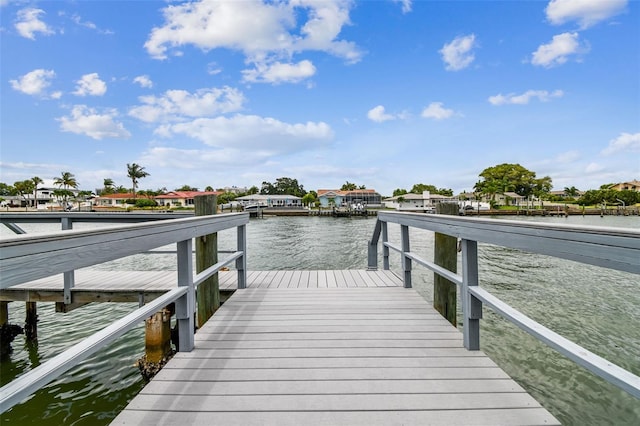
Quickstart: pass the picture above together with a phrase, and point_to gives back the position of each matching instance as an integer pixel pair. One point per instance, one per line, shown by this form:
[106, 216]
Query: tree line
[499, 179]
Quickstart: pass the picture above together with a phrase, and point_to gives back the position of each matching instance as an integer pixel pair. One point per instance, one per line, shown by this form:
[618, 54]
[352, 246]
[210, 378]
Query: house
[425, 202]
[634, 185]
[509, 199]
[339, 198]
[181, 198]
[264, 200]
[45, 198]
[114, 200]
[563, 194]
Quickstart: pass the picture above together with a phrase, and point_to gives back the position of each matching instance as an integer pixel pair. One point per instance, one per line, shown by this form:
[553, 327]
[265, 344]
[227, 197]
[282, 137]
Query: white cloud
[586, 12]
[406, 5]
[266, 32]
[458, 54]
[277, 72]
[213, 68]
[28, 23]
[90, 85]
[524, 98]
[624, 142]
[88, 24]
[143, 81]
[34, 82]
[254, 133]
[87, 121]
[179, 104]
[436, 111]
[557, 52]
[379, 115]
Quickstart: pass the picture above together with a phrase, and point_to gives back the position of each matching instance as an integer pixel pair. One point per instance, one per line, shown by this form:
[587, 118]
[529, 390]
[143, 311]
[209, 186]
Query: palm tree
[571, 192]
[108, 186]
[65, 181]
[36, 181]
[135, 172]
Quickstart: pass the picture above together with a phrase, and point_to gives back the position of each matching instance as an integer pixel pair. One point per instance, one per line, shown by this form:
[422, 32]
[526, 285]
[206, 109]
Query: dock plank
[125, 286]
[331, 356]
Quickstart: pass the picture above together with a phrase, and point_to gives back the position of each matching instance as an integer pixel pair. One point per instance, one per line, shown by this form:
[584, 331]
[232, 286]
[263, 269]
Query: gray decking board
[331, 356]
[122, 286]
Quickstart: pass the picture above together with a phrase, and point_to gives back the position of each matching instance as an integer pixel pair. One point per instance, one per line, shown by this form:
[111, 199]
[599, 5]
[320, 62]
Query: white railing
[29, 257]
[613, 248]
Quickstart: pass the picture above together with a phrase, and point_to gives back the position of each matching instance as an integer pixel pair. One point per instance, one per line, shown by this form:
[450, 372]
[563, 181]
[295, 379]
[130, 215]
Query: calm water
[597, 308]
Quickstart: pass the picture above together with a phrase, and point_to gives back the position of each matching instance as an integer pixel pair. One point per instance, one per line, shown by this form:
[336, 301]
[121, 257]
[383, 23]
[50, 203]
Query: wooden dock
[330, 348]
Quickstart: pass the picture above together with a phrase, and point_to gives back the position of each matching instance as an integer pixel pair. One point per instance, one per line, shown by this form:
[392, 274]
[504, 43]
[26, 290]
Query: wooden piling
[446, 255]
[4, 313]
[158, 336]
[31, 321]
[208, 293]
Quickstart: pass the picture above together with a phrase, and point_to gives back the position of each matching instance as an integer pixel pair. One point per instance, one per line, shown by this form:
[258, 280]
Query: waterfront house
[425, 202]
[509, 199]
[563, 194]
[338, 198]
[115, 200]
[181, 198]
[45, 198]
[264, 201]
[633, 185]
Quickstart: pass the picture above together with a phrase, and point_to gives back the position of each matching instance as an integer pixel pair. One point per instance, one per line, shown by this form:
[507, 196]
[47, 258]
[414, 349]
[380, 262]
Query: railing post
[241, 262]
[372, 252]
[406, 262]
[385, 248]
[185, 305]
[471, 306]
[69, 277]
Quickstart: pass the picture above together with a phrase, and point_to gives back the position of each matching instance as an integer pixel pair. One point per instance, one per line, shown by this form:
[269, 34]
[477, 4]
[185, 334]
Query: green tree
[65, 181]
[571, 191]
[36, 181]
[5, 189]
[23, 188]
[309, 198]
[226, 197]
[512, 177]
[108, 187]
[399, 191]
[283, 186]
[209, 188]
[348, 186]
[186, 188]
[82, 196]
[135, 172]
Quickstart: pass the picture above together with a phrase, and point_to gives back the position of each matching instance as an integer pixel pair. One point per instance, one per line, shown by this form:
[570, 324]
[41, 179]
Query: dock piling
[208, 292]
[446, 255]
[31, 321]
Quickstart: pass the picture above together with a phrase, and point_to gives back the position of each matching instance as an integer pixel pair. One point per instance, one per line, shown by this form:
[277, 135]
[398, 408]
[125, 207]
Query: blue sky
[384, 93]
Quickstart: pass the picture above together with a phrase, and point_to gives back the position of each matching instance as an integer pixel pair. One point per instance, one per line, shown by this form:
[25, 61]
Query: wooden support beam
[158, 336]
[446, 255]
[31, 321]
[63, 308]
[4, 313]
[208, 292]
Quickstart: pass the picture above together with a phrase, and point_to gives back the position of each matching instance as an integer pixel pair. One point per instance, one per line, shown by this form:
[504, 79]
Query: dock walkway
[328, 352]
